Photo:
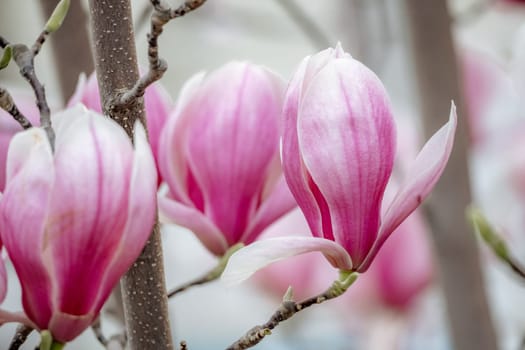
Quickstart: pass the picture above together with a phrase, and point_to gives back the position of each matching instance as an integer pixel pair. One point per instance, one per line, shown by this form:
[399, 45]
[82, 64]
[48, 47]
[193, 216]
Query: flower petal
[172, 164]
[65, 327]
[195, 221]
[93, 163]
[141, 214]
[23, 211]
[235, 111]
[293, 166]
[347, 139]
[279, 202]
[420, 180]
[257, 255]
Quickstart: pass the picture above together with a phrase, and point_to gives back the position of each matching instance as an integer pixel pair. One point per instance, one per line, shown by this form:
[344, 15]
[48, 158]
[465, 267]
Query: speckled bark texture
[437, 77]
[143, 287]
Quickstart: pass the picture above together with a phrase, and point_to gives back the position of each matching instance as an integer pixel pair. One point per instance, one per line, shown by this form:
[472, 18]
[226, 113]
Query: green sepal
[487, 233]
[6, 57]
[57, 17]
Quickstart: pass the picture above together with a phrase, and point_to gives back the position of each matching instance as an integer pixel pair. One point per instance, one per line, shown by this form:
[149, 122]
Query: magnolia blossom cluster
[240, 149]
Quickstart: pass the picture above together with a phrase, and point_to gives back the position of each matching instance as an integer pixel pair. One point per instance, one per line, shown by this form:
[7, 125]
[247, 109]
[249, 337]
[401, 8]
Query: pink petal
[93, 163]
[257, 255]
[420, 180]
[87, 93]
[347, 140]
[23, 211]
[65, 327]
[18, 317]
[404, 266]
[293, 166]
[232, 139]
[197, 222]
[172, 164]
[272, 208]
[141, 214]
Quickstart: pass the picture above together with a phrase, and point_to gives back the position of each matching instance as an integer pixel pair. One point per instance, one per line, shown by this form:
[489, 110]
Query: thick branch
[143, 286]
[437, 77]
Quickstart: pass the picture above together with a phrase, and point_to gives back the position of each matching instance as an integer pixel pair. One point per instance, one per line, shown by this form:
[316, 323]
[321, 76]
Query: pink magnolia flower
[219, 154]
[25, 101]
[74, 220]
[156, 102]
[338, 152]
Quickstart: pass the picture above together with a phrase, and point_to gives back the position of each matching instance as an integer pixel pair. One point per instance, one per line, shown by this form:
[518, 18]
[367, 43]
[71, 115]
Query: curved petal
[347, 139]
[420, 180]
[196, 222]
[293, 166]
[232, 139]
[93, 163]
[65, 327]
[23, 211]
[276, 205]
[171, 161]
[141, 213]
[18, 317]
[87, 93]
[158, 106]
[243, 263]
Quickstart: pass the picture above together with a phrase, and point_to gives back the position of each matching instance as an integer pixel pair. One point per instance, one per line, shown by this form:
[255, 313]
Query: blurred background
[488, 70]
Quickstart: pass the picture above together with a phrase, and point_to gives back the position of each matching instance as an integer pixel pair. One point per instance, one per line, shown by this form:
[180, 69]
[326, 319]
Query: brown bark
[143, 286]
[71, 49]
[437, 79]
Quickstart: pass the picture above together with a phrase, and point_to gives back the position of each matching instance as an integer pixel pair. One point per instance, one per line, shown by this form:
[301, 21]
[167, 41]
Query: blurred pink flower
[338, 153]
[219, 154]
[156, 102]
[484, 81]
[74, 220]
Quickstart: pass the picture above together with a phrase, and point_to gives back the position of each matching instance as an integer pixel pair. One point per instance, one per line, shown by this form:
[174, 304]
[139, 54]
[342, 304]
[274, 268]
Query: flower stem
[289, 308]
[210, 276]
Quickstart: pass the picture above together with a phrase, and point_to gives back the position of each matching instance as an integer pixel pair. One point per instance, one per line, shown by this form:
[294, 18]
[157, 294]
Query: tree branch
[143, 286]
[288, 308]
[211, 275]
[20, 337]
[8, 105]
[24, 58]
[157, 66]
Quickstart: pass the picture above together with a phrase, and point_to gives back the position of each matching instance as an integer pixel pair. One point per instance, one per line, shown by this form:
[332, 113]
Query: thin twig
[35, 49]
[288, 308]
[8, 104]
[516, 267]
[212, 275]
[3, 42]
[24, 58]
[20, 337]
[157, 66]
[116, 341]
